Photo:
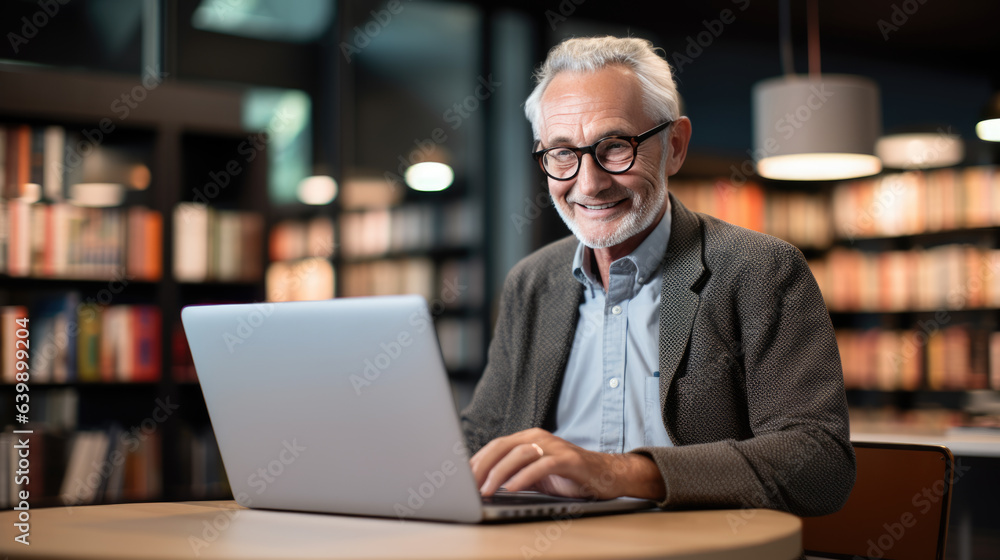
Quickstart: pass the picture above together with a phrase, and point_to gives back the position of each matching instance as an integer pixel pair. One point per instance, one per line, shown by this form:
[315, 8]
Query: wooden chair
[898, 509]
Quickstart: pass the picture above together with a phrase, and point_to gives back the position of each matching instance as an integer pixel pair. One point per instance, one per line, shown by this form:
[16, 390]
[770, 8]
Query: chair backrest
[898, 509]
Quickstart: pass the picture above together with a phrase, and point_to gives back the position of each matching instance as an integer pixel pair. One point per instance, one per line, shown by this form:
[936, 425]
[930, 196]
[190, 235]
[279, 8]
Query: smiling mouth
[601, 206]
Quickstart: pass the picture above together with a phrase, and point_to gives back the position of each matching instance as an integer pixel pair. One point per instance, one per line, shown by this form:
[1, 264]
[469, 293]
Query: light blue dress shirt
[610, 398]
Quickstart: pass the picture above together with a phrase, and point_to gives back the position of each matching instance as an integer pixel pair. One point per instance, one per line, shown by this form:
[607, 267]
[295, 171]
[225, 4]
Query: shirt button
[641, 279]
[613, 383]
[617, 310]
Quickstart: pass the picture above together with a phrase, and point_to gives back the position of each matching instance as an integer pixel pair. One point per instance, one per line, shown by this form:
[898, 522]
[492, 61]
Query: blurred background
[161, 153]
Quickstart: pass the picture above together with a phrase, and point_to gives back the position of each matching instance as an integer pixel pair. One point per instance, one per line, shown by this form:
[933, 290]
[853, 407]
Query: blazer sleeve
[797, 455]
[483, 419]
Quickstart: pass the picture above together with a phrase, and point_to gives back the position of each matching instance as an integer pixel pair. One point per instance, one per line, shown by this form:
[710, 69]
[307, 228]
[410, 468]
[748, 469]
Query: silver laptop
[343, 406]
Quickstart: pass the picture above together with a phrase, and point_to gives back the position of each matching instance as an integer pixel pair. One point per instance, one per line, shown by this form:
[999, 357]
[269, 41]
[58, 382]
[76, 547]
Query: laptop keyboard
[526, 498]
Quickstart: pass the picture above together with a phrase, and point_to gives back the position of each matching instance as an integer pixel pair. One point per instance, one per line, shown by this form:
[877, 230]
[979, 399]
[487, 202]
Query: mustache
[613, 197]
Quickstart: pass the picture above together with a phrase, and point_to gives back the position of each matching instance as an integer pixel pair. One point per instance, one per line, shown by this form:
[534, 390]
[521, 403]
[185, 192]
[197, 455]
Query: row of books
[60, 240]
[84, 467]
[109, 465]
[802, 219]
[387, 277]
[915, 202]
[301, 239]
[415, 227]
[954, 276]
[952, 358]
[453, 284]
[33, 155]
[217, 245]
[300, 280]
[84, 342]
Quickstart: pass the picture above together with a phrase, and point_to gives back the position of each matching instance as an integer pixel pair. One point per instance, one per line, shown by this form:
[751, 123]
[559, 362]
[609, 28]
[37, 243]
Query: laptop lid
[338, 406]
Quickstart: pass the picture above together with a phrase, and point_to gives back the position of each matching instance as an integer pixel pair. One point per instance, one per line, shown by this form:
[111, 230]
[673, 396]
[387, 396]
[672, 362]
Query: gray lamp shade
[808, 129]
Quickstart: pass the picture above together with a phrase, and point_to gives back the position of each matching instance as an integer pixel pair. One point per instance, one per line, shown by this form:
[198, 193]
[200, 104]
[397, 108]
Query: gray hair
[659, 92]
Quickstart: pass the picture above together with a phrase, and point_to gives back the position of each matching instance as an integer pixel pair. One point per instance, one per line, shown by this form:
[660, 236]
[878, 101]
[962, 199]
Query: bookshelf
[907, 263]
[176, 216]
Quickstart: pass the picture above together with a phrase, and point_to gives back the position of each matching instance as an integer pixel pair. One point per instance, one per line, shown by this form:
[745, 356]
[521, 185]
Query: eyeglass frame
[580, 151]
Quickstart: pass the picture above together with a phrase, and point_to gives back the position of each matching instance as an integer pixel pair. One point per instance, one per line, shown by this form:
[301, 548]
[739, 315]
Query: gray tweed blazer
[750, 378]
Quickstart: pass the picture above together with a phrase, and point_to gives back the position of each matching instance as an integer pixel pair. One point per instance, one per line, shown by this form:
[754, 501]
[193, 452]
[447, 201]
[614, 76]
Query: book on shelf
[292, 240]
[954, 276]
[16, 168]
[915, 202]
[43, 479]
[389, 277]
[953, 358]
[11, 321]
[409, 228]
[216, 245]
[59, 240]
[181, 362]
[88, 342]
[301, 280]
[112, 464]
[799, 218]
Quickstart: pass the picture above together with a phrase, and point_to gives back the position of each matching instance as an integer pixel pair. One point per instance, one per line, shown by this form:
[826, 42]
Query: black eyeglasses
[615, 154]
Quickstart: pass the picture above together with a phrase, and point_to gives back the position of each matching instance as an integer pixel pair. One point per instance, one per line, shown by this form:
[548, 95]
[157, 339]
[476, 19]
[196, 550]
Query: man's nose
[591, 179]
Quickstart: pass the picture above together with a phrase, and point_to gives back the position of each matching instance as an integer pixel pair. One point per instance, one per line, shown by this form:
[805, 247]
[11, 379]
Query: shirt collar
[646, 257]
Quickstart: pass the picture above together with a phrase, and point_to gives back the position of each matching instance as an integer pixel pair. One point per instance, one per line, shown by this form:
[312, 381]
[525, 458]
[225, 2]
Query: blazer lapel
[683, 268]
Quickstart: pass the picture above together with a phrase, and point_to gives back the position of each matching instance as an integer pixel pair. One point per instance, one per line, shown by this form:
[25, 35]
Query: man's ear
[680, 135]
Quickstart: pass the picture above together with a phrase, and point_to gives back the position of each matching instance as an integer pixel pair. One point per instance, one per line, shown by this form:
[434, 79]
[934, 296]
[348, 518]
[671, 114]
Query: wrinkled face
[579, 108]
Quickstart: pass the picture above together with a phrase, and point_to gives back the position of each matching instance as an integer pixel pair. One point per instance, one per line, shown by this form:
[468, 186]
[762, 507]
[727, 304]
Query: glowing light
[429, 176]
[317, 190]
[818, 167]
[989, 130]
[920, 150]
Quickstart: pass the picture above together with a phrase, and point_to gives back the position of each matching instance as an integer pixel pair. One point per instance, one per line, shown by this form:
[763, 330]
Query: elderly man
[656, 353]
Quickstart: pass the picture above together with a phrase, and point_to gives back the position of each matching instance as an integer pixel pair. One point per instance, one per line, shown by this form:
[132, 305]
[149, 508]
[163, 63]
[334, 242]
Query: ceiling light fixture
[920, 149]
[814, 127]
[988, 127]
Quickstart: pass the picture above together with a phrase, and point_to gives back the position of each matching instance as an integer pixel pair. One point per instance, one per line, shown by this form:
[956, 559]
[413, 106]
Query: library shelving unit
[909, 265]
[125, 198]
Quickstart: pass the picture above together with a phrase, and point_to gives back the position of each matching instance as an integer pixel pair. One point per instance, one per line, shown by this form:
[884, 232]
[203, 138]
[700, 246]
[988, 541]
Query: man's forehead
[606, 102]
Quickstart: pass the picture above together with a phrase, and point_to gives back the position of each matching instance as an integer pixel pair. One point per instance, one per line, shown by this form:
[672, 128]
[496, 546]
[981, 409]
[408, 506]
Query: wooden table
[225, 530]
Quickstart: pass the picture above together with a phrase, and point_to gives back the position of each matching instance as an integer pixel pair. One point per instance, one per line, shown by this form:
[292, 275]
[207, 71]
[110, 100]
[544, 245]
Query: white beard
[642, 215]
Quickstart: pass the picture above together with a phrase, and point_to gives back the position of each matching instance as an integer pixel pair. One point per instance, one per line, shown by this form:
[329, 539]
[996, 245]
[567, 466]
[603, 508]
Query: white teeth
[601, 207]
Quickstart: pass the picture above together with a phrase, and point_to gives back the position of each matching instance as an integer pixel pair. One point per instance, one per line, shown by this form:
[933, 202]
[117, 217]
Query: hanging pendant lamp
[815, 127]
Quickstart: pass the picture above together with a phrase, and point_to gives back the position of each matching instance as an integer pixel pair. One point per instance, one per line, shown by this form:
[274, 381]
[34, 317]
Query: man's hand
[537, 460]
